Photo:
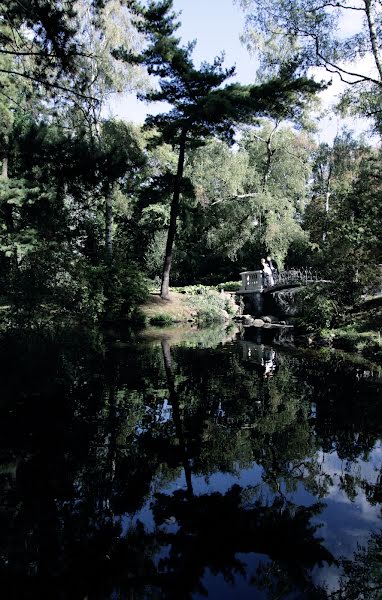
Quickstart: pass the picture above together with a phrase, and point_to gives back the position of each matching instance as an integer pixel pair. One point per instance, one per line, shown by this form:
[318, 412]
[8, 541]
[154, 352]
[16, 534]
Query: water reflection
[264, 356]
[158, 470]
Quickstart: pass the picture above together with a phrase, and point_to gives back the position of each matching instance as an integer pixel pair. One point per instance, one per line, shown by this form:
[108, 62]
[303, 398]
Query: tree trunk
[173, 397]
[373, 37]
[270, 153]
[7, 208]
[8, 213]
[109, 226]
[165, 291]
[327, 197]
[267, 170]
[4, 168]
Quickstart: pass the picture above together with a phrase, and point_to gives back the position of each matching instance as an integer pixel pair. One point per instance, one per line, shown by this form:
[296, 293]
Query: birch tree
[313, 33]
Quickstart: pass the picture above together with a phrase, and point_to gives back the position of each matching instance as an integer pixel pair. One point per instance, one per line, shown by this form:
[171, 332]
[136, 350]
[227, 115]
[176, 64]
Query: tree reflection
[362, 576]
[173, 396]
[213, 528]
[94, 439]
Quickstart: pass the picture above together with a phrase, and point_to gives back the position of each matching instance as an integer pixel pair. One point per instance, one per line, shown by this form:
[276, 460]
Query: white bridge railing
[251, 281]
[256, 281]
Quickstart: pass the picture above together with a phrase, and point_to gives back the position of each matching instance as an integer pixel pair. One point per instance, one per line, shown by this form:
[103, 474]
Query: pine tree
[201, 107]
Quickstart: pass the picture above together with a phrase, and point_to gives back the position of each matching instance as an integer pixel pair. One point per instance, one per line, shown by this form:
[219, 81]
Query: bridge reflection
[264, 357]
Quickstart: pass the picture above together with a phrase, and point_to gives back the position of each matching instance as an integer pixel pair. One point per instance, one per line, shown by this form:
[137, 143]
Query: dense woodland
[94, 210]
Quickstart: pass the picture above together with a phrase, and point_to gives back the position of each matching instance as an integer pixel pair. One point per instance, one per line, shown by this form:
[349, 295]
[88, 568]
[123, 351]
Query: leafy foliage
[86, 204]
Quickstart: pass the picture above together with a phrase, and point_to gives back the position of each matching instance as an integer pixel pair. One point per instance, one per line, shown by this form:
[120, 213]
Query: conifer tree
[201, 107]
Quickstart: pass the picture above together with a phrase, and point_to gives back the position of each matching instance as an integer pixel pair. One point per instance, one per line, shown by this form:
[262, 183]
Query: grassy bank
[194, 304]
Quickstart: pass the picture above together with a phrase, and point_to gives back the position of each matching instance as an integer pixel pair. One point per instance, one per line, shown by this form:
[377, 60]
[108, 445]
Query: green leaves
[200, 104]
[310, 33]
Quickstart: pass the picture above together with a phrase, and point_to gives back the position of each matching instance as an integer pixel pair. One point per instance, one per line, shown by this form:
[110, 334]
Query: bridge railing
[297, 275]
[252, 281]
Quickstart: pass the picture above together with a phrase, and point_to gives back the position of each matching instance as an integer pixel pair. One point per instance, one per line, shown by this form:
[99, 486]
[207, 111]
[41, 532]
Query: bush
[318, 309]
[126, 288]
[228, 286]
[347, 340]
[212, 306]
[47, 282]
[373, 349]
[161, 320]
[192, 290]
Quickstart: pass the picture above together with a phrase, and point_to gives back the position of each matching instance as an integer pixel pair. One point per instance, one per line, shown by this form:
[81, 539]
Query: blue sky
[217, 26]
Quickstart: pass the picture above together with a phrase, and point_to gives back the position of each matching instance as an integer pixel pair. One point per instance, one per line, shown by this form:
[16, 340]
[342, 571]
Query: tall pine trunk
[165, 287]
[174, 401]
[7, 208]
[108, 287]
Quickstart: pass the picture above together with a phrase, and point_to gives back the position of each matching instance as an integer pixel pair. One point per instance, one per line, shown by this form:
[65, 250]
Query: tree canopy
[230, 171]
[314, 34]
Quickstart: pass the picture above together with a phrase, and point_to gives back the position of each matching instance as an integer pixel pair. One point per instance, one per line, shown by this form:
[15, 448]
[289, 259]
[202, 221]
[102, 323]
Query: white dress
[268, 275]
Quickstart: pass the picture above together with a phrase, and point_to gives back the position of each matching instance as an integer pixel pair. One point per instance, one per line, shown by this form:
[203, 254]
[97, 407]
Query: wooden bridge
[255, 281]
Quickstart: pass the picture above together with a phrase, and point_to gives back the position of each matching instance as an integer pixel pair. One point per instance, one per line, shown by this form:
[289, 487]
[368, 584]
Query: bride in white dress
[267, 273]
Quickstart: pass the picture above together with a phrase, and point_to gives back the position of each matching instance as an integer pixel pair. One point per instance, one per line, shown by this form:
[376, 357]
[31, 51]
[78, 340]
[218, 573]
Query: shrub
[192, 290]
[161, 320]
[212, 306]
[126, 288]
[347, 340]
[228, 286]
[318, 308]
[200, 288]
[373, 349]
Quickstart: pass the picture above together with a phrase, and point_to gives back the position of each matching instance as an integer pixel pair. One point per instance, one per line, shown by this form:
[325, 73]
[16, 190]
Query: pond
[188, 464]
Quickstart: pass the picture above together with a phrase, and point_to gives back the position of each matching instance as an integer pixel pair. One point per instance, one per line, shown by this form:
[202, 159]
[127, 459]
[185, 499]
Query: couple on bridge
[270, 271]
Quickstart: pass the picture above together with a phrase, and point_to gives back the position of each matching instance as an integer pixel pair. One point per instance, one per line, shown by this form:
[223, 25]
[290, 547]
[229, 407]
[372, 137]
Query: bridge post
[251, 281]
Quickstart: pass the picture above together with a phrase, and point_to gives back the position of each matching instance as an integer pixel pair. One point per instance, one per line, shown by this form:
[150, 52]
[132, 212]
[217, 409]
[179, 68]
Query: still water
[186, 465]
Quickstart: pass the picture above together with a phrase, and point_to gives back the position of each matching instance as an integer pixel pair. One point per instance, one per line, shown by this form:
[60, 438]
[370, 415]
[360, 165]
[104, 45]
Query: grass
[161, 319]
[203, 306]
[174, 310]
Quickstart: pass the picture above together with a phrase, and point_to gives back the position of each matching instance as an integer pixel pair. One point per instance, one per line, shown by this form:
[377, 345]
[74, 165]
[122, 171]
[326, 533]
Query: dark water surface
[218, 465]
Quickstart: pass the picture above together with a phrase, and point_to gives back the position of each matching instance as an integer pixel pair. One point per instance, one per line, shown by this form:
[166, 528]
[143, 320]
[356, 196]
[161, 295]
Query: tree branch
[335, 72]
[12, 100]
[334, 5]
[373, 112]
[285, 149]
[30, 53]
[339, 70]
[47, 84]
